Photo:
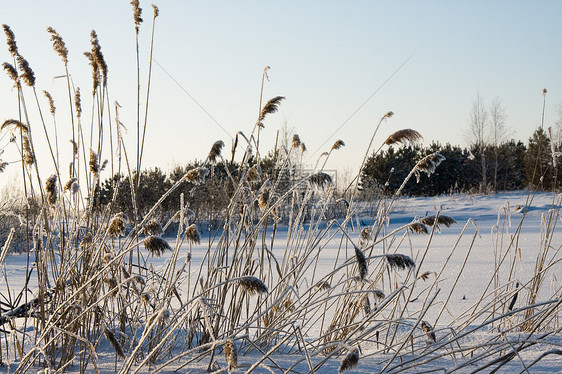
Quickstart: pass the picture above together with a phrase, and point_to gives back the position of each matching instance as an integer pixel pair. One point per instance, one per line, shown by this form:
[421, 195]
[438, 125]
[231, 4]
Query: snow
[507, 227]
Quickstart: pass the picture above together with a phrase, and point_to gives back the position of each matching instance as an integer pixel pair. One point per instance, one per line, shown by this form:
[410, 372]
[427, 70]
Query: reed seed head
[441, 220]
[10, 40]
[404, 137]
[216, 150]
[156, 245]
[28, 155]
[28, 76]
[52, 107]
[110, 336]
[252, 285]
[399, 261]
[197, 175]
[425, 276]
[97, 55]
[112, 286]
[156, 10]
[320, 179]
[303, 147]
[254, 173]
[137, 11]
[153, 227]
[428, 330]
[296, 141]
[338, 144]
[263, 198]
[428, 164]
[58, 44]
[270, 107]
[86, 241]
[418, 228]
[11, 71]
[361, 263]
[94, 165]
[231, 355]
[74, 147]
[116, 227]
[323, 285]
[15, 125]
[192, 234]
[51, 189]
[349, 361]
[78, 102]
[366, 304]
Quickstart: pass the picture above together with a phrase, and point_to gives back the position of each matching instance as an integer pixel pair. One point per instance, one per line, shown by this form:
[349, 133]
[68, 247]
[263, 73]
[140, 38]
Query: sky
[340, 64]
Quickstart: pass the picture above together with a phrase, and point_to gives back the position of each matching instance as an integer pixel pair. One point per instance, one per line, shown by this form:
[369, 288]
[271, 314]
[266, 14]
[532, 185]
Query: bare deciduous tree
[478, 133]
[499, 132]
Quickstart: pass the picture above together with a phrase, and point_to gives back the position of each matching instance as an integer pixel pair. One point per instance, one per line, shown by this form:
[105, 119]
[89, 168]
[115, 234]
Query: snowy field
[489, 254]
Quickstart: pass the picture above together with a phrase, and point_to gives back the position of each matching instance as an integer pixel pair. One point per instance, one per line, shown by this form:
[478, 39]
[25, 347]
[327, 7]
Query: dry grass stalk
[51, 189]
[404, 136]
[231, 355]
[156, 245]
[196, 175]
[216, 150]
[349, 361]
[252, 285]
[399, 261]
[110, 336]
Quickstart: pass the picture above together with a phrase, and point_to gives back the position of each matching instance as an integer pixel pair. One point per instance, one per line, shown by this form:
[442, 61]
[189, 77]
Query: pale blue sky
[326, 57]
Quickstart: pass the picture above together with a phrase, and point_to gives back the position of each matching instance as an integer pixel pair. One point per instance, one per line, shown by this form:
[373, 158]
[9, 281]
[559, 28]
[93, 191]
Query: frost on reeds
[110, 336]
[441, 220]
[116, 226]
[418, 228]
[270, 107]
[215, 151]
[404, 136]
[428, 164]
[349, 361]
[153, 227]
[52, 190]
[196, 175]
[156, 245]
[192, 234]
[320, 179]
[231, 355]
[252, 285]
[399, 261]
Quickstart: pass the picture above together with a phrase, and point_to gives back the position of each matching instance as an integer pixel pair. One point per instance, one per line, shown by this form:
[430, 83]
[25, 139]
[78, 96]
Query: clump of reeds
[349, 361]
[231, 355]
[252, 285]
[156, 245]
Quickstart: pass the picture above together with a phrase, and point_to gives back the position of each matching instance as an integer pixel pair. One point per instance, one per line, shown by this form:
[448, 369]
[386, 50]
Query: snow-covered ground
[490, 230]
